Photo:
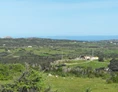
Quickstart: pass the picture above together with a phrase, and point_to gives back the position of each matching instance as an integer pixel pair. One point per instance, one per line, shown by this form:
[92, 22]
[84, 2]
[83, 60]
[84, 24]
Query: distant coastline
[84, 38]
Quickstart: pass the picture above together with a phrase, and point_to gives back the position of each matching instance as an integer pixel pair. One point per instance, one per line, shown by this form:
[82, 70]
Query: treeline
[20, 42]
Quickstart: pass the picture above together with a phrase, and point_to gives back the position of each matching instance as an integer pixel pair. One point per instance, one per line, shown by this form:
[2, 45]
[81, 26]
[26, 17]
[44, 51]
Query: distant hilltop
[78, 38]
[8, 37]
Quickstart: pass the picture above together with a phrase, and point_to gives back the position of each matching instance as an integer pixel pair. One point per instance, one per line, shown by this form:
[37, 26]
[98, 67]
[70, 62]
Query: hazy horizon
[79, 38]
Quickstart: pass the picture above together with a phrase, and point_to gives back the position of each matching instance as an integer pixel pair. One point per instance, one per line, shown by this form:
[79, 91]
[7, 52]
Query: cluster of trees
[27, 79]
[32, 59]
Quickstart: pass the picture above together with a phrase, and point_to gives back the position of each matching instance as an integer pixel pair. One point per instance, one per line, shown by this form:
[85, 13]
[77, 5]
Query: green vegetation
[75, 84]
[83, 63]
[93, 64]
[24, 62]
[8, 70]
[25, 80]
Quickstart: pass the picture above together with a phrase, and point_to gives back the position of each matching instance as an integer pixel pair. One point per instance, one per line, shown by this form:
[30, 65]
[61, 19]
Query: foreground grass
[75, 84]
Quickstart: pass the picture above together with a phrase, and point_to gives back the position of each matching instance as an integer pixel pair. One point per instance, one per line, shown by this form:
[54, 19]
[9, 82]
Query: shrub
[113, 65]
[113, 78]
[8, 70]
[29, 80]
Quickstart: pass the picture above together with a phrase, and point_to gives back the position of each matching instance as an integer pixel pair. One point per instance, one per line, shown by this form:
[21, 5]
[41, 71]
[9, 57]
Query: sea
[84, 38]
[78, 38]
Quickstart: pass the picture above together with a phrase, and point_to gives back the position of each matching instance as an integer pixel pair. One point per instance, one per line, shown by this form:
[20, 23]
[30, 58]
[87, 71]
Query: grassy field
[94, 64]
[83, 63]
[75, 84]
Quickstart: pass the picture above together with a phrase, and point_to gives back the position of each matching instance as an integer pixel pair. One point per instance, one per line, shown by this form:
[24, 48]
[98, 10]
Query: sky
[35, 18]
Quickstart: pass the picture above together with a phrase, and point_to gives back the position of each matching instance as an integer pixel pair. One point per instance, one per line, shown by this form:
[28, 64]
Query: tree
[113, 65]
[101, 59]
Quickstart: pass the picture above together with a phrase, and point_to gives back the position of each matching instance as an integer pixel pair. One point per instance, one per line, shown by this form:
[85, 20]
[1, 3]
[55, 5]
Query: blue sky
[30, 18]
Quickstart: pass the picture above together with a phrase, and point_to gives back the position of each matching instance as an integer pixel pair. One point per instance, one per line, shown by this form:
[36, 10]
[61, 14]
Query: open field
[86, 63]
[76, 84]
[93, 64]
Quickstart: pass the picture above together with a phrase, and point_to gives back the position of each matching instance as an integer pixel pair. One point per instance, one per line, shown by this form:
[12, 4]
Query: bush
[101, 59]
[29, 81]
[8, 70]
[113, 65]
[113, 78]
